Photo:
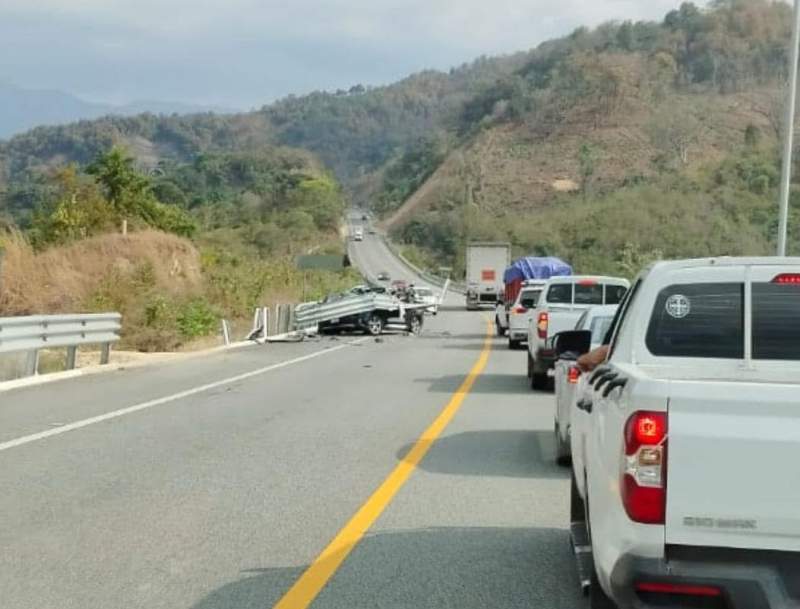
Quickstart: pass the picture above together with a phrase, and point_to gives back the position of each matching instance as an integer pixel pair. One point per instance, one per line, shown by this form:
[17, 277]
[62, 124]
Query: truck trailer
[486, 262]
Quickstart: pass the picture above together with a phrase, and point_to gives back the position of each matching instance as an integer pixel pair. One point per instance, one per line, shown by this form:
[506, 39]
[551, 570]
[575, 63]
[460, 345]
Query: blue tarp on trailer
[532, 267]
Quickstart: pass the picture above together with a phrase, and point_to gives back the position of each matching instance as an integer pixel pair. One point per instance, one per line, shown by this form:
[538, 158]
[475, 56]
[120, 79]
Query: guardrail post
[226, 333]
[32, 363]
[105, 353]
[71, 353]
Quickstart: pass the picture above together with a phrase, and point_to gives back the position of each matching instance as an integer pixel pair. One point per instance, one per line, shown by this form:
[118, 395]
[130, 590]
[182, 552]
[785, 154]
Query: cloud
[247, 52]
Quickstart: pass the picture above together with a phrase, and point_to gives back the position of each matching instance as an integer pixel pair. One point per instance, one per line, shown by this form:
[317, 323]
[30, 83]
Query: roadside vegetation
[607, 147]
[206, 240]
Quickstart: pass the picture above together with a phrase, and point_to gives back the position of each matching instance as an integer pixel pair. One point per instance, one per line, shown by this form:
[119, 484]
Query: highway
[343, 473]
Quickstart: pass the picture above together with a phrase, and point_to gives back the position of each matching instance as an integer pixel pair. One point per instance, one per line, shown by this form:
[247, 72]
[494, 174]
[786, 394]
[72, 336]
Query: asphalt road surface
[243, 478]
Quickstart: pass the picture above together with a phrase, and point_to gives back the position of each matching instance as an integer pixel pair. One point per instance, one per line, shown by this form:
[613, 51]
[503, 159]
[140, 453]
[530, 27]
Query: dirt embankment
[65, 279]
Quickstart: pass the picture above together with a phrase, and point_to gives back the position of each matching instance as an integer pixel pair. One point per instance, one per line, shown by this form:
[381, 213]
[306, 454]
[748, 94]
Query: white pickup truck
[562, 302]
[686, 444]
[513, 319]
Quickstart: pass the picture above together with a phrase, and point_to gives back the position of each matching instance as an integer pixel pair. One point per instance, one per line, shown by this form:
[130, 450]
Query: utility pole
[788, 136]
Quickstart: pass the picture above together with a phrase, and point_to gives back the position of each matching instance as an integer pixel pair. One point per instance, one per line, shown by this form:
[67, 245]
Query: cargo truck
[486, 262]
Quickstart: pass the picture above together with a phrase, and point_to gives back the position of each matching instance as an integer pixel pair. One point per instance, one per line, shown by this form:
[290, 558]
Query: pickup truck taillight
[520, 310]
[573, 374]
[541, 324]
[644, 471]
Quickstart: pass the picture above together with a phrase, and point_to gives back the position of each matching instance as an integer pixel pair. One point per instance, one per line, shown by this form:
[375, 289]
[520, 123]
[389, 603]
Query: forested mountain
[641, 112]
[21, 109]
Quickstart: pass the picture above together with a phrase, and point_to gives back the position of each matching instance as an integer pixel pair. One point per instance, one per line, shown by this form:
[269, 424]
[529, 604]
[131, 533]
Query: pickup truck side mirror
[572, 343]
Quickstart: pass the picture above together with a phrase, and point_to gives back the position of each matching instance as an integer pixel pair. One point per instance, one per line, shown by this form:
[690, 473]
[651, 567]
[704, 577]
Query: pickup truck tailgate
[733, 465]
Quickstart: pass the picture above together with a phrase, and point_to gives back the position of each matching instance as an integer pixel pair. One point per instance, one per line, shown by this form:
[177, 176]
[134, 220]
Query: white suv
[686, 475]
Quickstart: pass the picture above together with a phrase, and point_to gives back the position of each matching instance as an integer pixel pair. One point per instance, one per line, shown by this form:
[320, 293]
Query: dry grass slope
[64, 279]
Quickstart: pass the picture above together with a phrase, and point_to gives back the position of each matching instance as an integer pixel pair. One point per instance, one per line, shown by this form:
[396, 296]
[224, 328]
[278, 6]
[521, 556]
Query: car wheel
[577, 511]
[375, 325]
[598, 599]
[513, 344]
[415, 324]
[563, 452]
[539, 382]
[500, 331]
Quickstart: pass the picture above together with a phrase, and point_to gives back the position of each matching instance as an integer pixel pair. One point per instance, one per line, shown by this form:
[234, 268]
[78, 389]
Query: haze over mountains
[22, 109]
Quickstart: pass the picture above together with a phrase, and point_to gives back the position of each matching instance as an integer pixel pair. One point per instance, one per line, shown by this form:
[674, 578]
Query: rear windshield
[529, 298]
[561, 293]
[585, 293]
[698, 320]
[591, 294]
[776, 321]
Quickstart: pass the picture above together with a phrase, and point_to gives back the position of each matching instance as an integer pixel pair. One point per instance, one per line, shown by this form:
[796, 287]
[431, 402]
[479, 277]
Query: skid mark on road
[324, 567]
[166, 399]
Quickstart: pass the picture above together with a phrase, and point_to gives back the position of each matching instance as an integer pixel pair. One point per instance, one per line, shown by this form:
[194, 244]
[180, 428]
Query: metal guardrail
[311, 314]
[35, 332]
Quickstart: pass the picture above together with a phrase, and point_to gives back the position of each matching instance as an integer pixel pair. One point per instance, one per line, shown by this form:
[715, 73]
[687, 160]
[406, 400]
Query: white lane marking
[169, 398]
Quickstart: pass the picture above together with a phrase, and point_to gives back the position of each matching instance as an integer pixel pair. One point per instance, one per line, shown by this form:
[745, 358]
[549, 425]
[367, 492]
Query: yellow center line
[324, 567]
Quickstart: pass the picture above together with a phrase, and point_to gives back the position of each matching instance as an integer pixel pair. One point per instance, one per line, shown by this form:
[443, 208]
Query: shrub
[195, 319]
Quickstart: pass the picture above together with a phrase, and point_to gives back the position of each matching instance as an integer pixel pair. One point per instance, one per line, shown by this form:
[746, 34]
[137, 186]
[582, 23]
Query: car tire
[500, 331]
[513, 344]
[598, 599]
[375, 325]
[415, 324]
[563, 451]
[539, 382]
[577, 510]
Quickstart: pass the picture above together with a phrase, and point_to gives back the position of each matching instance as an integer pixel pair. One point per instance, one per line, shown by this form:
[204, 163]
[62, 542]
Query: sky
[245, 53]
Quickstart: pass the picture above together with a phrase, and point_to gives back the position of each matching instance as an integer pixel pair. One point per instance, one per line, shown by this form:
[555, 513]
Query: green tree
[125, 188]
[78, 210]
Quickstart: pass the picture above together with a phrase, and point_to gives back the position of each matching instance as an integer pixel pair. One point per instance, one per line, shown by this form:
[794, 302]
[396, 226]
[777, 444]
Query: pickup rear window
[698, 320]
[776, 321]
[585, 293]
[529, 298]
[590, 293]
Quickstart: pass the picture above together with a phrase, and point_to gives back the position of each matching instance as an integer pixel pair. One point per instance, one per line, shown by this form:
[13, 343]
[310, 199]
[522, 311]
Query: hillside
[352, 132]
[22, 109]
[629, 141]
[628, 117]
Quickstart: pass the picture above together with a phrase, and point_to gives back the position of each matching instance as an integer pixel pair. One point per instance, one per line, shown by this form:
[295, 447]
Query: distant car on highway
[384, 276]
[399, 286]
[518, 316]
[423, 295]
[358, 234]
[568, 382]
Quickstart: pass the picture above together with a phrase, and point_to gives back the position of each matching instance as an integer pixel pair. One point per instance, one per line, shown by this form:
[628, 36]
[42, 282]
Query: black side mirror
[572, 343]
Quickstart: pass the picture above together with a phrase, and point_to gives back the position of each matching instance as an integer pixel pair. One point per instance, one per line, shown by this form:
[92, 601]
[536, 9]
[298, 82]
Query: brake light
[573, 374]
[644, 469]
[787, 279]
[587, 282]
[682, 589]
[520, 310]
[542, 323]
